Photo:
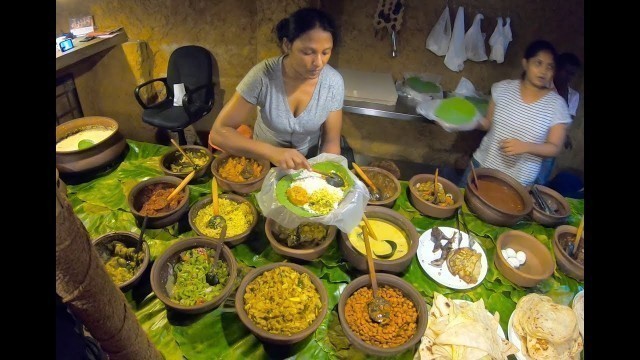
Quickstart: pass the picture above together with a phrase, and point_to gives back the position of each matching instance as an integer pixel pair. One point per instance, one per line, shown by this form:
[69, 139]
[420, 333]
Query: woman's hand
[513, 147]
[289, 159]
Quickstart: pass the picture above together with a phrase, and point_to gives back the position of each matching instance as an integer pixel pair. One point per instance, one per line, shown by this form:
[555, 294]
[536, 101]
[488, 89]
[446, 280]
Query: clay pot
[428, 208]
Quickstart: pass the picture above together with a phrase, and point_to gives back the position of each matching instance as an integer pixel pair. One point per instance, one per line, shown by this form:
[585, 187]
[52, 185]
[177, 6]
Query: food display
[121, 262]
[383, 183]
[154, 199]
[84, 138]
[189, 282]
[311, 192]
[240, 169]
[426, 192]
[402, 322]
[544, 329]
[181, 164]
[463, 330]
[304, 236]
[392, 241]
[238, 216]
[515, 259]
[282, 301]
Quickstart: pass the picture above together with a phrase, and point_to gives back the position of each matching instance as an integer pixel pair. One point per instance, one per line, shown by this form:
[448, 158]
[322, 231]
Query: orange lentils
[402, 324]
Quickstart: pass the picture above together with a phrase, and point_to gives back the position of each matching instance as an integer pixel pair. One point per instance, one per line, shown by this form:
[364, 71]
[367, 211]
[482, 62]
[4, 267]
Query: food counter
[101, 205]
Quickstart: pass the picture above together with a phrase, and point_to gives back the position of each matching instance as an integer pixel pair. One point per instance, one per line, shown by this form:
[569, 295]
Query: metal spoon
[375, 194]
[247, 171]
[142, 229]
[216, 220]
[379, 308]
[211, 277]
[332, 178]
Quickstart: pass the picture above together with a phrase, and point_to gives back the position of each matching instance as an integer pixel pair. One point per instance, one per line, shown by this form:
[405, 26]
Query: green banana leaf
[102, 207]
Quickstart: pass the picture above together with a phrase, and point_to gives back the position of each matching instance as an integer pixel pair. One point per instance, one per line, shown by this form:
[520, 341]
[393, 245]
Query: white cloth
[178, 93]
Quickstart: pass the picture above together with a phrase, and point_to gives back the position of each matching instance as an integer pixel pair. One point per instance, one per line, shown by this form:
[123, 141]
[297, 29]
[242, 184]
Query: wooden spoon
[576, 242]
[184, 183]
[216, 220]
[183, 152]
[435, 188]
[375, 194]
[379, 308]
[475, 178]
[366, 222]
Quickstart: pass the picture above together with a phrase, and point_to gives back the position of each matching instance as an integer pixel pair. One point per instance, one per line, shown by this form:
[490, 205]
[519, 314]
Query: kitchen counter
[82, 50]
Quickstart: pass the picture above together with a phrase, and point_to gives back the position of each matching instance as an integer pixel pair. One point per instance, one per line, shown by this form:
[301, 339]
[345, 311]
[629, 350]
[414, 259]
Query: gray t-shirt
[264, 86]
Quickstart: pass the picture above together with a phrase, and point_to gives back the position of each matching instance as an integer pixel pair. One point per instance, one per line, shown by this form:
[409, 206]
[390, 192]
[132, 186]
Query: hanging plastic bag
[440, 35]
[452, 114]
[506, 33]
[474, 41]
[346, 216]
[496, 41]
[465, 88]
[456, 55]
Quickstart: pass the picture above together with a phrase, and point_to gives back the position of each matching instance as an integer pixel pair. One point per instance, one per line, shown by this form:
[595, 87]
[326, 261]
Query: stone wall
[238, 33]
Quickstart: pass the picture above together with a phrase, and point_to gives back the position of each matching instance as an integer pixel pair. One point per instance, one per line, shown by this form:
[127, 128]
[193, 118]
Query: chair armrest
[136, 92]
[187, 99]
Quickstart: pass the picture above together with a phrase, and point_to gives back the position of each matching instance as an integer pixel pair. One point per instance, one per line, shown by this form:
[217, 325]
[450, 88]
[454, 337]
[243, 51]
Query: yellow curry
[381, 249]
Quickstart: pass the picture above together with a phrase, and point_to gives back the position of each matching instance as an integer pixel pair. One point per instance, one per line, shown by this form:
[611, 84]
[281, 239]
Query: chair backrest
[191, 65]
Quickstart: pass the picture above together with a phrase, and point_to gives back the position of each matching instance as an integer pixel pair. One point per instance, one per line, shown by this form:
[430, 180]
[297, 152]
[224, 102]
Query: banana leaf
[101, 206]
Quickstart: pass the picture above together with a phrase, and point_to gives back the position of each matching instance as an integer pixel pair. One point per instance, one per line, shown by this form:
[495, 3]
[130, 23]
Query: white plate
[442, 274]
[579, 295]
[515, 339]
[500, 331]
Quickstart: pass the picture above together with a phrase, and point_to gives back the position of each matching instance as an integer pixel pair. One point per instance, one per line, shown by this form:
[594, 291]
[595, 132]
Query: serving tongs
[542, 204]
[472, 241]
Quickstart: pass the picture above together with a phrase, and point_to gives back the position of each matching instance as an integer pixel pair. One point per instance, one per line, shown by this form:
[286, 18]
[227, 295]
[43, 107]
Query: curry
[240, 169]
[380, 248]
[386, 186]
[154, 199]
[500, 194]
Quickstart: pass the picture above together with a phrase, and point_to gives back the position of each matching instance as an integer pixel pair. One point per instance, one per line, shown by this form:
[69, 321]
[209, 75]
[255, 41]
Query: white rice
[312, 182]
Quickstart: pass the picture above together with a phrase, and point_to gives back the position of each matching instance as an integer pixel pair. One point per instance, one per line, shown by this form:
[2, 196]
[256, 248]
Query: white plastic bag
[456, 55]
[416, 95]
[428, 109]
[474, 41]
[465, 88]
[496, 41]
[346, 217]
[506, 33]
[440, 35]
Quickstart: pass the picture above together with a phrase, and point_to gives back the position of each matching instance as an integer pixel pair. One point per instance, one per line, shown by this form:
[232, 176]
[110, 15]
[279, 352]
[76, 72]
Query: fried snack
[465, 263]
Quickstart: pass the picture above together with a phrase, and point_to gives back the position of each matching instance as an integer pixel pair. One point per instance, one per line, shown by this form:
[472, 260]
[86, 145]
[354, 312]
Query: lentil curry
[231, 169]
[154, 199]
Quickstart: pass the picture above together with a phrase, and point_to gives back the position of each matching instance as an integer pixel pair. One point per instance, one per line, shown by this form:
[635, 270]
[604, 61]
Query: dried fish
[446, 248]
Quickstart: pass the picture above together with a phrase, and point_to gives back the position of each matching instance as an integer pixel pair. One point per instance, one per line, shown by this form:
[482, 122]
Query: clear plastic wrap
[346, 216]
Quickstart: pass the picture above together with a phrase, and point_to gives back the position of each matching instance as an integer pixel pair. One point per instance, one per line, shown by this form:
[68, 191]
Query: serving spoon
[379, 308]
[216, 220]
[375, 194]
[161, 203]
[211, 277]
[332, 178]
[184, 153]
[475, 178]
[142, 229]
[573, 247]
[435, 188]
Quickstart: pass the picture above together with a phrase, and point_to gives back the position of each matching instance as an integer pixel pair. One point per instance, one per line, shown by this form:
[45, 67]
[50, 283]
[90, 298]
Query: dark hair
[567, 59]
[537, 46]
[303, 20]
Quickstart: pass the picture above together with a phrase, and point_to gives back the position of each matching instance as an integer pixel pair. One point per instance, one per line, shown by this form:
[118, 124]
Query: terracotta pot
[163, 219]
[302, 254]
[232, 240]
[488, 212]
[407, 290]
[428, 208]
[389, 202]
[359, 261]
[95, 157]
[543, 218]
[244, 187]
[164, 264]
[538, 266]
[567, 264]
[170, 156]
[266, 336]
[129, 239]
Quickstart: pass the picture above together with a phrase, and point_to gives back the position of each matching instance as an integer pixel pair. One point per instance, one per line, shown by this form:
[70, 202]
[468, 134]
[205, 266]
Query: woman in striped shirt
[526, 121]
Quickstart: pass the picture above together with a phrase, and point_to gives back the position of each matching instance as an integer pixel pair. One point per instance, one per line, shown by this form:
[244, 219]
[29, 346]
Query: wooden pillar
[84, 285]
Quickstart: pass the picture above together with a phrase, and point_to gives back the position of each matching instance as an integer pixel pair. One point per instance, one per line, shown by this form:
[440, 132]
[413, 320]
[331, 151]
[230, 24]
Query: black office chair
[193, 66]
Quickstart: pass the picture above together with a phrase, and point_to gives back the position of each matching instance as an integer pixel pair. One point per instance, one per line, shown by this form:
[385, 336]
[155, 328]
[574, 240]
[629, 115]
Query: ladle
[184, 153]
[473, 171]
[375, 194]
[216, 220]
[162, 203]
[211, 277]
[573, 247]
[379, 308]
[331, 178]
[142, 229]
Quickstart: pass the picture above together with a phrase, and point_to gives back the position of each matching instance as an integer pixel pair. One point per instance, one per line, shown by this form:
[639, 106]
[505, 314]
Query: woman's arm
[550, 148]
[331, 134]
[485, 123]
[224, 135]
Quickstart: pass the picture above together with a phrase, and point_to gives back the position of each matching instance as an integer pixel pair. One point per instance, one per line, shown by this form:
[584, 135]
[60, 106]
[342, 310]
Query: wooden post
[84, 285]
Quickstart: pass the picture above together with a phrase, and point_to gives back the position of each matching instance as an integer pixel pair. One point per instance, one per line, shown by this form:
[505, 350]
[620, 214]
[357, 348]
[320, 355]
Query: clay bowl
[428, 208]
[230, 240]
[163, 267]
[359, 261]
[244, 187]
[391, 200]
[302, 254]
[129, 239]
[568, 265]
[171, 155]
[538, 266]
[266, 336]
[163, 219]
[486, 209]
[95, 157]
[554, 197]
[407, 290]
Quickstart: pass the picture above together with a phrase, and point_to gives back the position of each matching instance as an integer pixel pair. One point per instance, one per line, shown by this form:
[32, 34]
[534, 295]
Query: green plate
[421, 86]
[285, 182]
[481, 104]
[456, 111]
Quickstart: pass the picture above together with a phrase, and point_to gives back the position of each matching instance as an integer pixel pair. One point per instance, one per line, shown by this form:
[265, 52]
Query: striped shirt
[512, 118]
